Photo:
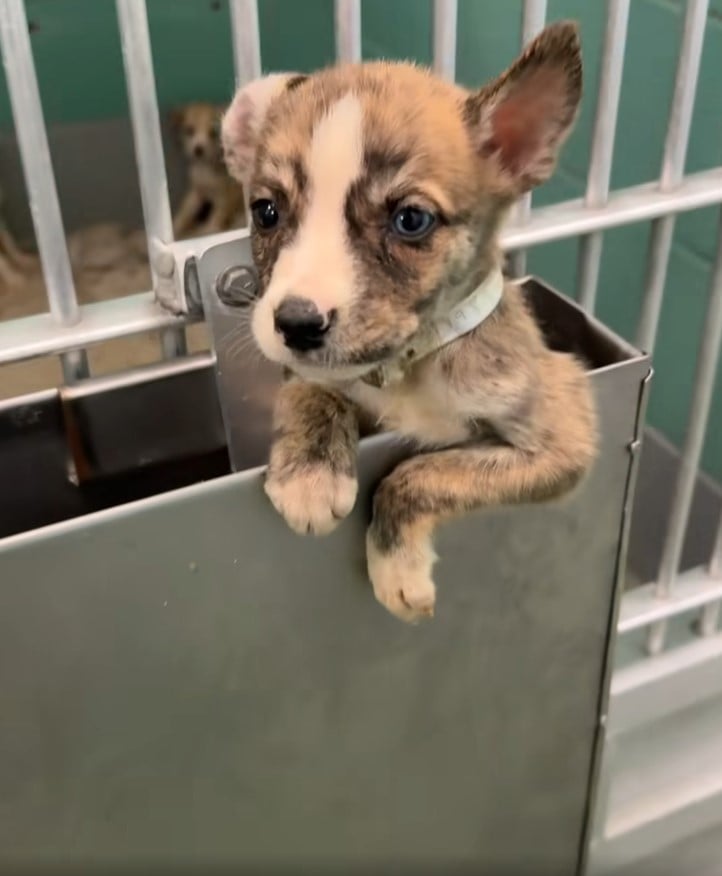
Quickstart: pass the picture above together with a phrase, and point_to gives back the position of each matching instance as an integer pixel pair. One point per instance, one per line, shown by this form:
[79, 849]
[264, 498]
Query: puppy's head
[198, 127]
[377, 191]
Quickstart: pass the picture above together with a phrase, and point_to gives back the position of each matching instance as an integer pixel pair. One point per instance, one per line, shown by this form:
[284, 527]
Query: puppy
[214, 202]
[377, 192]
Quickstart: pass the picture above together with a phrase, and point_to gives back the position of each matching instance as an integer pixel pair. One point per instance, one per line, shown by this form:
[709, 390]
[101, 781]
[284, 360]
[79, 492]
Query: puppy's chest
[208, 179]
[428, 410]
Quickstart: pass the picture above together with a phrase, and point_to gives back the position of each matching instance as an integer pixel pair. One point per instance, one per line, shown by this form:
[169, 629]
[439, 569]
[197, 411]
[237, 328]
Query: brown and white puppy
[214, 201]
[377, 193]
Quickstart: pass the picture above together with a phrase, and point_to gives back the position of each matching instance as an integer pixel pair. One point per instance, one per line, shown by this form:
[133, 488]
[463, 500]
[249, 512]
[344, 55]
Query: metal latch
[247, 382]
[175, 269]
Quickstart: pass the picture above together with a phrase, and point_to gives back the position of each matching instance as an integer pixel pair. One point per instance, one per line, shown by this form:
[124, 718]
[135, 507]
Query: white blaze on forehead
[336, 158]
[319, 263]
[324, 259]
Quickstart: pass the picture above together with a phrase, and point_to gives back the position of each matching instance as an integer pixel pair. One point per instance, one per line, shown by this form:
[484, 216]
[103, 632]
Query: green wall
[80, 70]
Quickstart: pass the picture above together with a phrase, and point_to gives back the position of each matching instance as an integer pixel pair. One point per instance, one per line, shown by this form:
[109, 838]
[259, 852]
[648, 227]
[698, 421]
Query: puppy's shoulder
[507, 346]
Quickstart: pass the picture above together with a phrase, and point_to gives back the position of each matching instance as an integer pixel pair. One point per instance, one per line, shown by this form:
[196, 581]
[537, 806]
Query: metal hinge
[246, 382]
[175, 270]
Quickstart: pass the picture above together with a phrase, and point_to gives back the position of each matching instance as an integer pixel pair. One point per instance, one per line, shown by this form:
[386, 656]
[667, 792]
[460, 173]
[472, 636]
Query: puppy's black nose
[198, 150]
[302, 326]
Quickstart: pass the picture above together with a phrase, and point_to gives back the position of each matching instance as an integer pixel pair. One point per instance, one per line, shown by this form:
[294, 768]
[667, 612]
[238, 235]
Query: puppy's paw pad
[314, 500]
[402, 585]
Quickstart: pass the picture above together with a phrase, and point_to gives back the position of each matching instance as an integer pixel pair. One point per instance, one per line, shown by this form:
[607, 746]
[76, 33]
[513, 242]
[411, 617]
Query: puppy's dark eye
[189, 130]
[412, 223]
[265, 214]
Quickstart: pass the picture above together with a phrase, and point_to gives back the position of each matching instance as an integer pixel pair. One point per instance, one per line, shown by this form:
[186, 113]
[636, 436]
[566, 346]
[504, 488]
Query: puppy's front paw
[402, 581]
[312, 500]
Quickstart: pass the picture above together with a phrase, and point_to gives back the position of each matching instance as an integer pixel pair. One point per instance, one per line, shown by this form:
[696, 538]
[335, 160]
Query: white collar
[463, 318]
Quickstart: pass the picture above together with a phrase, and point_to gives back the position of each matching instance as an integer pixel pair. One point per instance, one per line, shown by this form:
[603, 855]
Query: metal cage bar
[39, 177]
[246, 40]
[445, 27]
[673, 161]
[533, 17]
[347, 20]
[709, 619]
[143, 102]
[715, 563]
[36, 336]
[624, 207]
[692, 451]
[600, 162]
[556, 222]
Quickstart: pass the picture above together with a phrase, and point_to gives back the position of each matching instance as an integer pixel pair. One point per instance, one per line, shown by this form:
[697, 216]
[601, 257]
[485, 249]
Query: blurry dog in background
[214, 201]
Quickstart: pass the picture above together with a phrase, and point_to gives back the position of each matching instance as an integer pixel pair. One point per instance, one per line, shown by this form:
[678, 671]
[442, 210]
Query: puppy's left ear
[519, 122]
[243, 120]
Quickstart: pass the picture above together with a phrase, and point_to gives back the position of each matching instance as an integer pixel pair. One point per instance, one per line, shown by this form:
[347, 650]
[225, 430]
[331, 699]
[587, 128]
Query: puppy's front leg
[221, 216]
[311, 476]
[187, 212]
[216, 221]
[427, 489]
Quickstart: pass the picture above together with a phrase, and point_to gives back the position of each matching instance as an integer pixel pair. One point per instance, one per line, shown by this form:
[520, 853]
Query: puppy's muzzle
[301, 324]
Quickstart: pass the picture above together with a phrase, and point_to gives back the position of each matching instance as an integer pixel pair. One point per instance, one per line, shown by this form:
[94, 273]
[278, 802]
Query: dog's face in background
[377, 191]
[198, 129]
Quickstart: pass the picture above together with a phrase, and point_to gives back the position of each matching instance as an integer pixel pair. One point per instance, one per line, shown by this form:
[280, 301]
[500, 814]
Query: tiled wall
[80, 70]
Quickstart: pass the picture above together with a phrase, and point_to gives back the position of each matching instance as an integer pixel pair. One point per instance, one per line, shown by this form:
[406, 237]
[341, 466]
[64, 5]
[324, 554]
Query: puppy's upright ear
[243, 120]
[519, 121]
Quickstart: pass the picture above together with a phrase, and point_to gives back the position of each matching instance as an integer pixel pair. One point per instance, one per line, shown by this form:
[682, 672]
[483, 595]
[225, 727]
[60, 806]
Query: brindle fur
[497, 416]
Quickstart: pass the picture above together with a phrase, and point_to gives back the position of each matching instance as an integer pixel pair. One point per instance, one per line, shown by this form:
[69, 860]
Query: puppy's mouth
[334, 363]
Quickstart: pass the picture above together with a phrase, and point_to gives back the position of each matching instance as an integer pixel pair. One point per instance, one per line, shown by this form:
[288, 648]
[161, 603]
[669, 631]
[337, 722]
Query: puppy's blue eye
[412, 223]
[265, 214]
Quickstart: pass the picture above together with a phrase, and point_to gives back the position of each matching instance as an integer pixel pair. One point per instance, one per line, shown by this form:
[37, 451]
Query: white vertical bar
[699, 413]
[143, 102]
[715, 563]
[39, 177]
[675, 153]
[604, 787]
[605, 126]
[709, 620]
[534, 16]
[246, 40]
[590, 259]
[610, 84]
[685, 88]
[347, 16]
[445, 24]
[532, 21]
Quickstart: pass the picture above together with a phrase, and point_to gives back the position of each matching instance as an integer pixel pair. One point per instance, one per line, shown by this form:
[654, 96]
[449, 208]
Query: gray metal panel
[184, 680]
[247, 381]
